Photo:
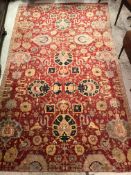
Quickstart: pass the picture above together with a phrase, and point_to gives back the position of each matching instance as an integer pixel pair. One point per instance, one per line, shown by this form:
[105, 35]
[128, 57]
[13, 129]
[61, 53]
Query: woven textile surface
[62, 106]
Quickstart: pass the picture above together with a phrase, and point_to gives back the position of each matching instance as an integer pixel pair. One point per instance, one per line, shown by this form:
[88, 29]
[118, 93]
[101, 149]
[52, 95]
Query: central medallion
[63, 58]
[64, 127]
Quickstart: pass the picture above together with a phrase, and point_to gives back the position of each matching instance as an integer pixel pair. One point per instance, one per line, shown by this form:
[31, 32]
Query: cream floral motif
[99, 44]
[25, 25]
[79, 149]
[36, 14]
[89, 14]
[96, 71]
[99, 24]
[115, 103]
[104, 56]
[101, 105]
[25, 107]
[93, 139]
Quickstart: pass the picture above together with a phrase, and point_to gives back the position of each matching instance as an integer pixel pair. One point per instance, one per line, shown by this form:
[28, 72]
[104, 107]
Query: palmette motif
[61, 106]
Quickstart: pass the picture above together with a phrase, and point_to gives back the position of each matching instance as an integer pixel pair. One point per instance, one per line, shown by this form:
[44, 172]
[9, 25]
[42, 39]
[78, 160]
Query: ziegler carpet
[62, 107]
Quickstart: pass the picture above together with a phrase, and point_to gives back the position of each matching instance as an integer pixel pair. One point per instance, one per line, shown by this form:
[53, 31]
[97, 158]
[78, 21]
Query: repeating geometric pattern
[61, 105]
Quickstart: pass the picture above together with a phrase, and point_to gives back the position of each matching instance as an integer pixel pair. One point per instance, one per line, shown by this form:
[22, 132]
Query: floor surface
[118, 33]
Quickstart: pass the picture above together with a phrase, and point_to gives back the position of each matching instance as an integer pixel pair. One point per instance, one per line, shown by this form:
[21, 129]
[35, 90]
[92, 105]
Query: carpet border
[119, 71]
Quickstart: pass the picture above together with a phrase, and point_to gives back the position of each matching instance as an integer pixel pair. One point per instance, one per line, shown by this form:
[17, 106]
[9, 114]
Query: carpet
[62, 104]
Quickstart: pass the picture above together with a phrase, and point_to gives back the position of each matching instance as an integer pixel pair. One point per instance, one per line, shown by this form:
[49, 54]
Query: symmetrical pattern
[61, 105]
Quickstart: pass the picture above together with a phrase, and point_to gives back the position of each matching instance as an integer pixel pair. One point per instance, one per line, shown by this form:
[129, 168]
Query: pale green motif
[63, 24]
[81, 7]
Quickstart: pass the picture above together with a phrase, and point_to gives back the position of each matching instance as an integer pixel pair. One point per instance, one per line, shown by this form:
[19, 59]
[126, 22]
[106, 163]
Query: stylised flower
[26, 13]
[118, 129]
[25, 25]
[99, 25]
[50, 150]
[109, 74]
[114, 102]
[30, 72]
[101, 105]
[99, 13]
[37, 140]
[63, 105]
[26, 45]
[93, 139]
[89, 14]
[9, 129]
[104, 56]
[53, 46]
[25, 107]
[72, 158]
[99, 44]
[81, 7]
[83, 51]
[11, 154]
[79, 149]
[20, 58]
[96, 71]
[36, 14]
[10, 104]
[58, 158]
[16, 75]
